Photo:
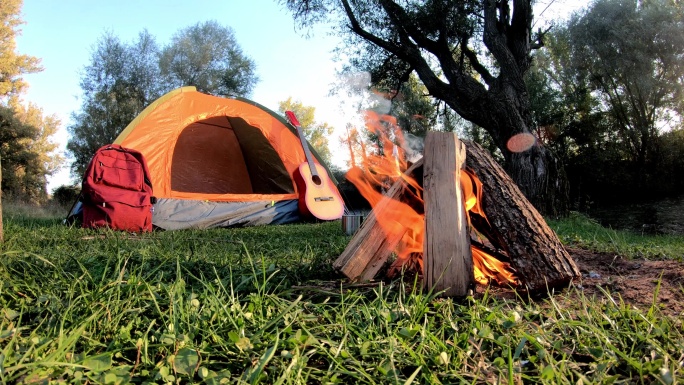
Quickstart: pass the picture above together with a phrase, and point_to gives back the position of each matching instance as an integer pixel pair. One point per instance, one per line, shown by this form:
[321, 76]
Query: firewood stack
[509, 223]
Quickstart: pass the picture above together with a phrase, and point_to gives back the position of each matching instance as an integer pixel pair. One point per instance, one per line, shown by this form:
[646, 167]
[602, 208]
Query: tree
[120, 81]
[316, 133]
[630, 53]
[25, 147]
[42, 144]
[471, 54]
[45, 160]
[602, 91]
[13, 65]
[353, 143]
[19, 163]
[207, 56]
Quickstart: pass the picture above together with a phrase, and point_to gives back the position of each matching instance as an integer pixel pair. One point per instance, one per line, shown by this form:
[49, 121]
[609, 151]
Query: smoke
[413, 146]
[359, 99]
[356, 82]
[356, 86]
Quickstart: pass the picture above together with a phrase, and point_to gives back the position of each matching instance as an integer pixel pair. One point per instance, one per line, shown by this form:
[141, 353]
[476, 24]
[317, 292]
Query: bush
[65, 196]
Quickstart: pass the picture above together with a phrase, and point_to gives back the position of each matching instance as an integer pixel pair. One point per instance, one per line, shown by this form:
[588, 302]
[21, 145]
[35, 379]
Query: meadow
[263, 305]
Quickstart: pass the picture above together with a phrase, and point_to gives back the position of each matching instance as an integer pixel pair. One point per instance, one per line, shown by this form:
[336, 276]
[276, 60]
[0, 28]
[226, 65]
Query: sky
[289, 63]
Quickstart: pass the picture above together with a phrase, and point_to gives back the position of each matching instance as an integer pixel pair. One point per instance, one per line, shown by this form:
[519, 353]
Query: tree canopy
[120, 81]
[630, 53]
[27, 151]
[607, 95]
[13, 64]
[207, 56]
[123, 78]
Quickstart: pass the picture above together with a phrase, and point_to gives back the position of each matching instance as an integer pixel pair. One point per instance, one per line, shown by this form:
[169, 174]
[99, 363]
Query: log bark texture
[516, 227]
[369, 249]
[447, 258]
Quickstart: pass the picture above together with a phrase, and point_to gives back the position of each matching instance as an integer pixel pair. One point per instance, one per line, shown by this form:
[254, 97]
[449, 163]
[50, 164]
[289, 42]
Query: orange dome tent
[217, 162]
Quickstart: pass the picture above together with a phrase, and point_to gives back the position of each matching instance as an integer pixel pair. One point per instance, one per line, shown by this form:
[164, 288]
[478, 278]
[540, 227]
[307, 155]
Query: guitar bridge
[324, 199]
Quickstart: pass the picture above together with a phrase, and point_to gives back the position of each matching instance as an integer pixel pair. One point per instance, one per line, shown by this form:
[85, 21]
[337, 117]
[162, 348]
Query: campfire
[453, 216]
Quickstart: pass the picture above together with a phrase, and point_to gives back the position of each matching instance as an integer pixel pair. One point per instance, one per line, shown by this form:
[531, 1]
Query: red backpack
[117, 191]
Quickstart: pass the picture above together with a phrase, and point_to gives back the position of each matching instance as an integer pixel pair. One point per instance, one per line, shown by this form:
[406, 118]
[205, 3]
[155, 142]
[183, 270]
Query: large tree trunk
[505, 112]
[541, 177]
[535, 169]
[515, 226]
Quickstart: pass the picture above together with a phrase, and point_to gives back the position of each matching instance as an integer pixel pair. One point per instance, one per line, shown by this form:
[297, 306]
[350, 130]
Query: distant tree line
[608, 97]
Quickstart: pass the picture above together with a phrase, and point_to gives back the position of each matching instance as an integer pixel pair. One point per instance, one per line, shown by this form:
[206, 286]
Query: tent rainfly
[217, 162]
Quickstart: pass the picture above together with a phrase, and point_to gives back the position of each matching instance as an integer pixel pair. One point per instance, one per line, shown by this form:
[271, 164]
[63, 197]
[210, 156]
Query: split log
[447, 258]
[515, 226]
[369, 249]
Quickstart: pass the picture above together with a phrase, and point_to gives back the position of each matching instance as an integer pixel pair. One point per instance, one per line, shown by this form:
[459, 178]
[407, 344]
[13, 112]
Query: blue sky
[62, 34]
[289, 64]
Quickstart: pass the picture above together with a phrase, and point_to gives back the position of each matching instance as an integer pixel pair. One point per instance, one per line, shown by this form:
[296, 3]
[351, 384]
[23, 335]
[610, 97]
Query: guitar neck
[307, 153]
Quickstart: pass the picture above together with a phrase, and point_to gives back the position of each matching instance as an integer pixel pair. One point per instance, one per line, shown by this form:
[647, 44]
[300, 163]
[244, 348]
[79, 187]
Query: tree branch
[402, 21]
[410, 53]
[475, 62]
[495, 39]
[520, 33]
[410, 33]
[357, 29]
[539, 41]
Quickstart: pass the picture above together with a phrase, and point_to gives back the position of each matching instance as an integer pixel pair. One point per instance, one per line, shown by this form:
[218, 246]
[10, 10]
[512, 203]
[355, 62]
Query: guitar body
[320, 197]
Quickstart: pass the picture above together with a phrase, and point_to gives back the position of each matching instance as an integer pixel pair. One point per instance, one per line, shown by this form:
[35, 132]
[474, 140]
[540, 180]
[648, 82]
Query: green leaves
[186, 361]
[408, 333]
[98, 363]
[596, 352]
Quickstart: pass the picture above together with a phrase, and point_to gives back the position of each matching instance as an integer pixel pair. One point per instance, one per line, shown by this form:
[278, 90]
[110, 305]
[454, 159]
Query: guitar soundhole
[316, 179]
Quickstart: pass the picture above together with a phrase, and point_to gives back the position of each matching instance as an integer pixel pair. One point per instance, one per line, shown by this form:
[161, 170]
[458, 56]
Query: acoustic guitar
[320, 197]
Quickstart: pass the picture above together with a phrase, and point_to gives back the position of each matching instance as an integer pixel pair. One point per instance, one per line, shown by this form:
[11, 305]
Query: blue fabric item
[176, 214]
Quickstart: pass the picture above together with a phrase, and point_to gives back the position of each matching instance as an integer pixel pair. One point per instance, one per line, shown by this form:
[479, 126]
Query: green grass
[582, 231]
[29, 212]
[262, 305]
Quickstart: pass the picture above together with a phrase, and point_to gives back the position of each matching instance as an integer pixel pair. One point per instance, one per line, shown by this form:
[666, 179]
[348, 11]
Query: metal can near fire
[351, 222]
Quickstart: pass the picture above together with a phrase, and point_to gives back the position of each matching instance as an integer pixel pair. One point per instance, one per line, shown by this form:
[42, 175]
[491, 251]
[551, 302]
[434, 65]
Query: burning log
[425, 225]
[372, 245]
[447, 258]
[512, 224]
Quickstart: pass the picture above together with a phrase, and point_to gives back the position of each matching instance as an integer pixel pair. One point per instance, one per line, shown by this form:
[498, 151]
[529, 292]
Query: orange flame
[488, 268]
[405, 218]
